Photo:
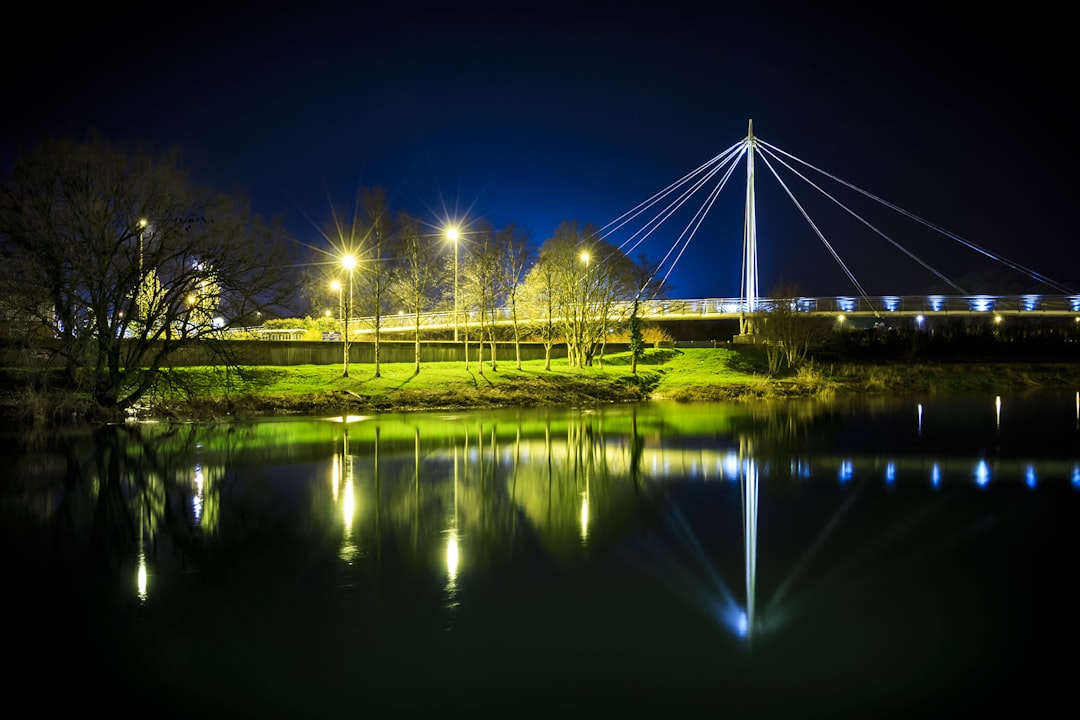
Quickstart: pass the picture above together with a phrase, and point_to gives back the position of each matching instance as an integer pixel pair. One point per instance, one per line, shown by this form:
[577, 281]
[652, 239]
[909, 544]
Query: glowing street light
[452, 236]
[348, 262]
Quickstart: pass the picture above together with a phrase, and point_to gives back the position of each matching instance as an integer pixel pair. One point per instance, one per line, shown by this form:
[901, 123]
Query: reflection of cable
[687, 570]
[813, 549]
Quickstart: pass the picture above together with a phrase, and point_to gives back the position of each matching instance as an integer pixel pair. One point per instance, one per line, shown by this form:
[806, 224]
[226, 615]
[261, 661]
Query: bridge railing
[884, 304]
[734, 307]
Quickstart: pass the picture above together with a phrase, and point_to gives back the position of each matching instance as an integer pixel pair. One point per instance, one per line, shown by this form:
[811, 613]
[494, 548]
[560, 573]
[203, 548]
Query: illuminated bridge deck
[885, 306]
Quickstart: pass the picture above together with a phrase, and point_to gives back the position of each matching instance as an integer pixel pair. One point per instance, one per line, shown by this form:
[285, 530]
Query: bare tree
[418, 275]
[580, 278]
[125, 262]
[648, 287]
[481, 285]
[366, 243]
[789, 331]
[515, 248]
[538, 297]
[376, 258]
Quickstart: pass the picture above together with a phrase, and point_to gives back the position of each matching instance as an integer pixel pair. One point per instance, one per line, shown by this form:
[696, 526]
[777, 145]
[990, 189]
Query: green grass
[681, 375]
[675, 374]
[433, 377]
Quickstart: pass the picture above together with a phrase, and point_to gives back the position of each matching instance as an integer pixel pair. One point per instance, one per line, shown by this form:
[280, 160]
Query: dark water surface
[881, 558]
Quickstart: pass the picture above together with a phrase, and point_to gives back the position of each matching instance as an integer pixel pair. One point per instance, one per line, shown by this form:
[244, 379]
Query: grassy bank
[682, 375]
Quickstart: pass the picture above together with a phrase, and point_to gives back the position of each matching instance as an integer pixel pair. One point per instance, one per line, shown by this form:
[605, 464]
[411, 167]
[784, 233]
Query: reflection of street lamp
[452, 235]
[348, 262]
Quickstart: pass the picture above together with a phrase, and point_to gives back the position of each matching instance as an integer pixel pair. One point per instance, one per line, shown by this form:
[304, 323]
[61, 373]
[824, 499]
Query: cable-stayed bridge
[711, 178]
[1051, 299]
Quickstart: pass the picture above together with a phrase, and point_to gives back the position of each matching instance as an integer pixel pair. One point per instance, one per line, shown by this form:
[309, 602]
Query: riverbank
[687, 375]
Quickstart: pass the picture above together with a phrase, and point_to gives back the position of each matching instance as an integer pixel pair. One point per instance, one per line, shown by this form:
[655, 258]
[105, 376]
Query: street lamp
[585, 284]
[452, 235]
[143, 222]
[348, 262]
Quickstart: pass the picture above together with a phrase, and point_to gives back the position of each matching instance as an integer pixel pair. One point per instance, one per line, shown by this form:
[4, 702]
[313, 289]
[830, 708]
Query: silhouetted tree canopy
[117, 261]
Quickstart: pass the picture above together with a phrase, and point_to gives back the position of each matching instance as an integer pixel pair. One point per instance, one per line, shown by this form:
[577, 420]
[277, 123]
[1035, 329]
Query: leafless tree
[515, 249]
[789, 332]
[580, 278]
[116, 255]
[482, 285]
[419, 270]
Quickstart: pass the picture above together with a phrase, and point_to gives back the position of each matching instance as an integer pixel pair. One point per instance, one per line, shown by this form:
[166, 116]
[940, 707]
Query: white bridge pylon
[749, 289]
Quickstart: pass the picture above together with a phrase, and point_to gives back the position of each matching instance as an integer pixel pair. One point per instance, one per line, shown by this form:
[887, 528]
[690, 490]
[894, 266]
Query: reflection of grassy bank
[684, 375]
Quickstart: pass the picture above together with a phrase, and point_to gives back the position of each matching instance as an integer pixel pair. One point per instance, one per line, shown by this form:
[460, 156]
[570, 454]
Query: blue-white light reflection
[982, 473]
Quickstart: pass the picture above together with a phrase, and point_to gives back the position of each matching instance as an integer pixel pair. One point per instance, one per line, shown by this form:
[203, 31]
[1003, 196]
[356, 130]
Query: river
[879, 557]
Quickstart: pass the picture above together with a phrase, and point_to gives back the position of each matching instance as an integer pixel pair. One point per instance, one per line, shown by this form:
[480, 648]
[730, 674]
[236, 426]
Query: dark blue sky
[548, 112]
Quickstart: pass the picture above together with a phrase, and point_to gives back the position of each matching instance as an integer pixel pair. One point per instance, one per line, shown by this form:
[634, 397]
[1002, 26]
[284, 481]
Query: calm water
[798, 559]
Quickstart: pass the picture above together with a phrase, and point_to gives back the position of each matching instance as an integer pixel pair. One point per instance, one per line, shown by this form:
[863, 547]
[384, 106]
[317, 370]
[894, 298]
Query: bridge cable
[973, 246]
[698, 218]
[817, 232]
[728, 158]
[671, 207]
[865, 222]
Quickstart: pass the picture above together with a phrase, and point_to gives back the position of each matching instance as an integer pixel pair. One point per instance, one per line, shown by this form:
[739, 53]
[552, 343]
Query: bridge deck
[733, 308]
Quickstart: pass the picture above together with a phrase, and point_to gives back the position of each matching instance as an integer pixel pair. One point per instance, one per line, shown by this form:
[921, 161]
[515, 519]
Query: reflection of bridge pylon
[749, 483]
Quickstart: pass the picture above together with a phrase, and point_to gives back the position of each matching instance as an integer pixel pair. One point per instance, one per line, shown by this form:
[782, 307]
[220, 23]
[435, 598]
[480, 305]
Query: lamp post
[143, 222]
[585, 284]
[452, 234]
[140, 290]
[348, 262]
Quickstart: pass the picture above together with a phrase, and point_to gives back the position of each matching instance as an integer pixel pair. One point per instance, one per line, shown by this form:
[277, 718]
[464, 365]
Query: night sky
[548, 112]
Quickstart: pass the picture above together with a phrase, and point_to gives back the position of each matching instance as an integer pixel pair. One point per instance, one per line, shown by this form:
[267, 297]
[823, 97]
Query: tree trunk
[416, 344]
[378, 326]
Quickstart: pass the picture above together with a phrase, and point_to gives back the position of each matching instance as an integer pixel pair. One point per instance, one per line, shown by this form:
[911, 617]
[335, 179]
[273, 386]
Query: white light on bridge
[982, 303]
[936, 302]
[891, 303]
[1031, 302]
[847, 304]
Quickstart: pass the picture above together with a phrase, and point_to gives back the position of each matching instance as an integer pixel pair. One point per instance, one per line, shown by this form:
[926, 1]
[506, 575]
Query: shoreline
[833, 381]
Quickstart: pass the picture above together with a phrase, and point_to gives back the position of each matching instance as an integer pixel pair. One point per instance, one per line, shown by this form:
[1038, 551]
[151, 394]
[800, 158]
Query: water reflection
[758, 518]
